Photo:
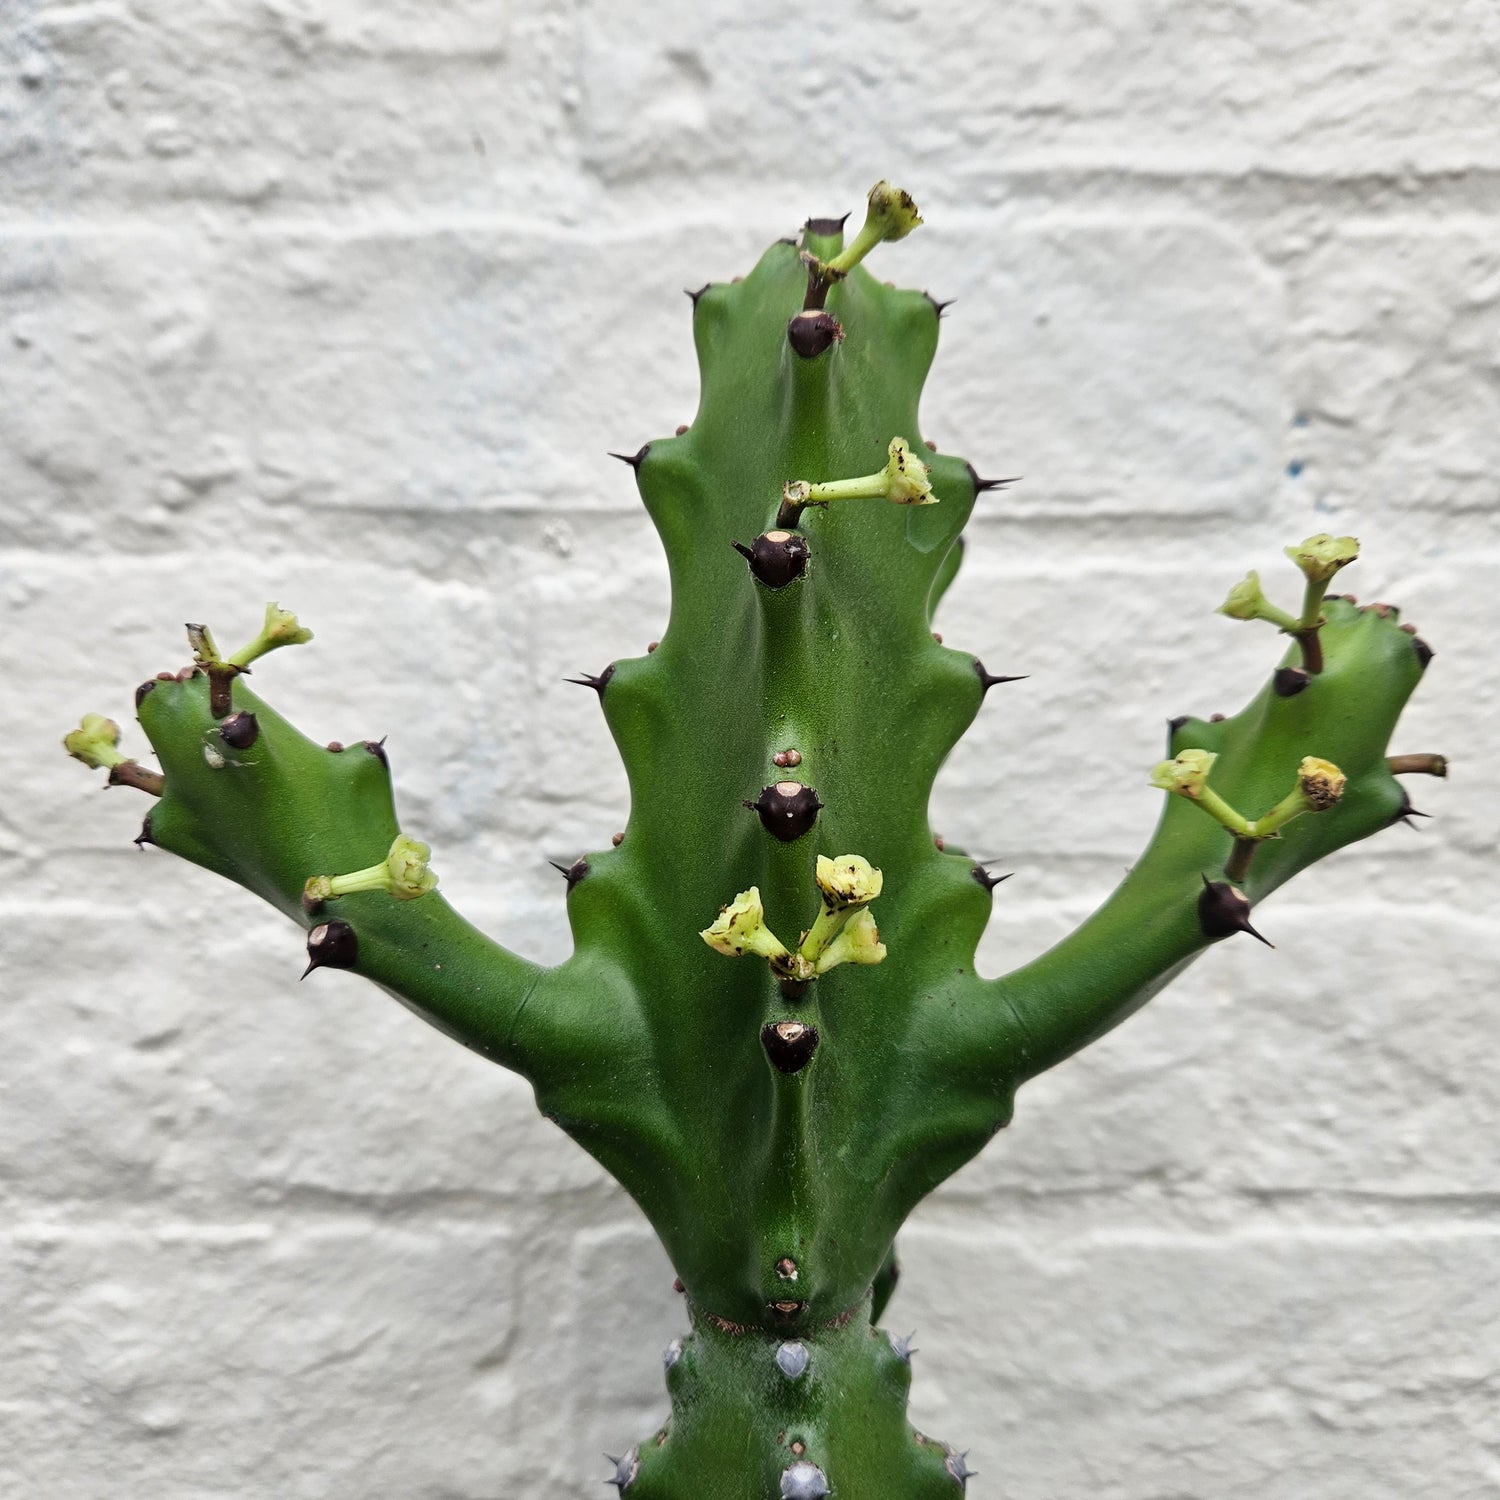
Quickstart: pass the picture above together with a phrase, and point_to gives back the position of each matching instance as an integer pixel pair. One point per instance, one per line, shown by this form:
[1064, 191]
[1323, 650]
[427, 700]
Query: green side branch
[275, 808]
[1164, 912]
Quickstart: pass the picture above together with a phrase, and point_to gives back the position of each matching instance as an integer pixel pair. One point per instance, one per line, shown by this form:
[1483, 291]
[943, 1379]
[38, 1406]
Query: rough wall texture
[340, 302]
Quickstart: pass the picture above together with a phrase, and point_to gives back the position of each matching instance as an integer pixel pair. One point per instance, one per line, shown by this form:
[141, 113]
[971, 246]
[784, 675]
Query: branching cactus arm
[1198, 879]
[246, 795]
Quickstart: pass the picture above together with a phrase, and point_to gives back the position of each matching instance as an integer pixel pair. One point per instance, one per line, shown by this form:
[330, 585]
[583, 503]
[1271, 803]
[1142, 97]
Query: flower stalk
[1320, 784]
[903, 481]
[403, 875]
[1319, 557]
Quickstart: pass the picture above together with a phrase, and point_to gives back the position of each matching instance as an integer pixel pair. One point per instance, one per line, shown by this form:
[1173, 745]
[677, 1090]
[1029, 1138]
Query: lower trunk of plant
[756, 1416]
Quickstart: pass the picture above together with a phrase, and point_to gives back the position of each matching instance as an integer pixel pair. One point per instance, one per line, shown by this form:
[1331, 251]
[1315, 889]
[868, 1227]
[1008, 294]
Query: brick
[432, 374]
[282, 105]
[1122, 365]
[1335, 1363]
[200, 1072]
[1041, 86]
[1396, 329]
[186, 1362]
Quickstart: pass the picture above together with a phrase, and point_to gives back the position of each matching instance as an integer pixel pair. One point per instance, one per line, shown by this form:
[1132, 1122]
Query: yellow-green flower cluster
[843, 933]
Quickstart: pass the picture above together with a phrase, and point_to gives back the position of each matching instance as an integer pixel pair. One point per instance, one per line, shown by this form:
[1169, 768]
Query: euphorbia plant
[771, 1030]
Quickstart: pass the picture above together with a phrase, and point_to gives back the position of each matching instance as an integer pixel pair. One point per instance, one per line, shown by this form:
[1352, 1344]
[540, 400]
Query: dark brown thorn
[776, 557]
[981, 485]
[635, 460]
[1406, 812]
[682, 428]
[813, 332]
[144, 836]
[240, 731]
[598, 683]
[1425, 653]
[1173, 725]
[146, 687]
[129, 773]
[1417, 765]
[572, 873]
[1289, 681]
[331, 945]
[377, 749]
[694, 296]
[787, 809]
[987, 680]
[937, 307]
[988, 881]
[789, 1044]
[825, 226]
[1224, 909]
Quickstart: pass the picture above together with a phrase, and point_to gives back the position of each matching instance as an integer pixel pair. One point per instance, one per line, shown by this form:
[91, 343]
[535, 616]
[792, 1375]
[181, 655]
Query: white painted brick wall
[341, 303]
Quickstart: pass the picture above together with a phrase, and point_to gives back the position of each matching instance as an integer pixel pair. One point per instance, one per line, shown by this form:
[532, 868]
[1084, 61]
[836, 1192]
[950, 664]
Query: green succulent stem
[777, 1148]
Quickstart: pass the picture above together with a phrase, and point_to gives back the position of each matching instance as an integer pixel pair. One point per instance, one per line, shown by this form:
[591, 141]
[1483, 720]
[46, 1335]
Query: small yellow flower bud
[741, 928]
[906, 476]
[406, 865]
[280, 629]
[1186, 775]
[1245, 600]
[95, 742]
[1320, 782]
[848, 881]
[892, 212]
[1321, 556]
[858, 943]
